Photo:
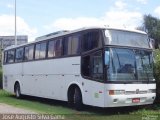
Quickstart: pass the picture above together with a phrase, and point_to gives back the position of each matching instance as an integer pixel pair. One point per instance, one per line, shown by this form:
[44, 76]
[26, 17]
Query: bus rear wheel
[17, 90]
[77, 99]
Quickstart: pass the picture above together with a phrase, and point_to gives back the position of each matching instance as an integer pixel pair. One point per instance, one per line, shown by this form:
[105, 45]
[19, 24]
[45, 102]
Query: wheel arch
[72, 86]
[16, 82]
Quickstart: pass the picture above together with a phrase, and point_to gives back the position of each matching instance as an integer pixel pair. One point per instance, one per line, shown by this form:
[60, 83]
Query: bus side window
[40, 50]
[31, 52]
[91, 40]
[51, 49]
[97, 66]
[86, 65]
[5, 57]
[71, 45]
[26, 58]
[19, 55]
[92, 66]
[10, 56]
[58, 47]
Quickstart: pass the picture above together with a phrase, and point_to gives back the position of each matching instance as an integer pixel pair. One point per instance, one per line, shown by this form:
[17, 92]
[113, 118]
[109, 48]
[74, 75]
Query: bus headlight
[116, 92]
[152, 91]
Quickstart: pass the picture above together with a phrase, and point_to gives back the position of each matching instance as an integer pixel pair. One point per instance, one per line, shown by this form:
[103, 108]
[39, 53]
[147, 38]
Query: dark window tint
[72, 45]
[58, 47]
[91, 40]
[51, 49]
[43, 50]
[86, 65]
[5, 57]
[37, 51]
[26, 54]
[97, 65]
[92, 66]
[10, 56]
[40, 50]
[29, 50]
[19, 55]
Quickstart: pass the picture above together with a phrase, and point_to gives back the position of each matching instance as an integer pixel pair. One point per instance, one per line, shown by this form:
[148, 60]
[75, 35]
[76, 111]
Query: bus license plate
[135, 100]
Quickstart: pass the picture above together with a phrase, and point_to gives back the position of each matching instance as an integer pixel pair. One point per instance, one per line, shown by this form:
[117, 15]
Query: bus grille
[135, 92]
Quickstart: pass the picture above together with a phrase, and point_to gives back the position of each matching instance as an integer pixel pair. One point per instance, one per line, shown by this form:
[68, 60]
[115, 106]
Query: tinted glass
[91, 40]
[40, 51]
[19, 55]
[76, 44]
[92, 66]
[26, 54]
[72, 45]
[51, 49]
[37, 51]
[97, 66]
[10, 56]
[5, 57]
[43, 50]
[58, 48]
[31, 51]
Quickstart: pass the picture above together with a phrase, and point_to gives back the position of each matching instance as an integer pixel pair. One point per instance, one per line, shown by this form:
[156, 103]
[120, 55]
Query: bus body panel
[94, 93]
[43, 79]
[132, 91]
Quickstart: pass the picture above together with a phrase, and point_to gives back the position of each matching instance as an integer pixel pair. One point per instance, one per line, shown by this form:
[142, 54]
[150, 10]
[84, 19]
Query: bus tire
[17, 90]
[78, 99]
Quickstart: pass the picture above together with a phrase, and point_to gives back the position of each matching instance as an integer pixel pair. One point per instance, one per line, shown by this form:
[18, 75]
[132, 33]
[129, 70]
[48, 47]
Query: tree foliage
[157, 72]
[152, 27]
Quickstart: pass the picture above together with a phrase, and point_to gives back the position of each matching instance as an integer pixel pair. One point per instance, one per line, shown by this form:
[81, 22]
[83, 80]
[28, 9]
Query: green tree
[152, 26]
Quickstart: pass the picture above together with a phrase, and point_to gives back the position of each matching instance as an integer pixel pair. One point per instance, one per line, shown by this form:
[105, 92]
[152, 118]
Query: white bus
[103, 67]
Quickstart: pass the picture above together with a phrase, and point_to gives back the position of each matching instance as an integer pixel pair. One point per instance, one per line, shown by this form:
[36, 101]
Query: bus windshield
[129, 64]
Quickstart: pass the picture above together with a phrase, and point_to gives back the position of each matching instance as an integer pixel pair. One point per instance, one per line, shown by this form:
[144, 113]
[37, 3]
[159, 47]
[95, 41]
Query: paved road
[7, 109]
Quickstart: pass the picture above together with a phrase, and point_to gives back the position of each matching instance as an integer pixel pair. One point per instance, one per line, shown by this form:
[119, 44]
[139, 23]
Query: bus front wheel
[78, 99]
[17, 90]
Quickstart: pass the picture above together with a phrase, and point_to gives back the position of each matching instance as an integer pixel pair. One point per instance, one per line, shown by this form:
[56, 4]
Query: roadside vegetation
[53, 107]
[157, 73]
[1, 77]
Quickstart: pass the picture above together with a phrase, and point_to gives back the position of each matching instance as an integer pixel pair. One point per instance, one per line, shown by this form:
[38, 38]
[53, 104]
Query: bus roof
[66, 32]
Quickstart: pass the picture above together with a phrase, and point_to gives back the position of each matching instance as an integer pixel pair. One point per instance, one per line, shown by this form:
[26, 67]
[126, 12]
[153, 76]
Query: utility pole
[15, 21]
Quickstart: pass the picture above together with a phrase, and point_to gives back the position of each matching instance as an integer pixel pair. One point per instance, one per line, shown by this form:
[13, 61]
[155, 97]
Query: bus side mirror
[106, 58]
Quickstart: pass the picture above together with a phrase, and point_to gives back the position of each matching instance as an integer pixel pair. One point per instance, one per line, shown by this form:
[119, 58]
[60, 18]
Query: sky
[39, 17]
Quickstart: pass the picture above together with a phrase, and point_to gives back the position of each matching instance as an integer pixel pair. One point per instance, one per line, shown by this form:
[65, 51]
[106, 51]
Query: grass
[46, 106]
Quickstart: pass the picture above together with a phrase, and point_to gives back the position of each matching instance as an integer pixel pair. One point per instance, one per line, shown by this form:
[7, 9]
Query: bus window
[40, 51]
[19, 55]
[71, 45]
[29, 52]
[92, 66]
[51, 49]
[43, 50]
[97, 66]
[58, 47]
[5, 57]
[26, 53]
[86, 65]
[91, 40]
[10, 56]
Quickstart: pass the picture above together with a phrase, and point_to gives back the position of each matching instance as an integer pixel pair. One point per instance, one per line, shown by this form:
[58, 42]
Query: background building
[6, 41]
